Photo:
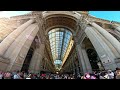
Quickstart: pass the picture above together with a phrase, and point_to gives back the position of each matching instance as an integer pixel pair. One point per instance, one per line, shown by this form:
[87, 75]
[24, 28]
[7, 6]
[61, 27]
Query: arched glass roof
[59, 39]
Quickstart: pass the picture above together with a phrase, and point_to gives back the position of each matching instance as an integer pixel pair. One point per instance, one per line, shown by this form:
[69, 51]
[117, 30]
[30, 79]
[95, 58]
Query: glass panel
[56, 41]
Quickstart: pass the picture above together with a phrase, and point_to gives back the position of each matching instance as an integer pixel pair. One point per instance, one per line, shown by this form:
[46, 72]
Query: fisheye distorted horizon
[8, 14]
[108, 15]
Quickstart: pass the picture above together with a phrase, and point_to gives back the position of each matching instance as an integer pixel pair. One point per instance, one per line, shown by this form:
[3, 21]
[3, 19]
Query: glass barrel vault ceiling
[59, 39]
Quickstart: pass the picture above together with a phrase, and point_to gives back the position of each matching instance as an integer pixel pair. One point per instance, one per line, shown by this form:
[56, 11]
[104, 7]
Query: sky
[12, 13]
[108, 15]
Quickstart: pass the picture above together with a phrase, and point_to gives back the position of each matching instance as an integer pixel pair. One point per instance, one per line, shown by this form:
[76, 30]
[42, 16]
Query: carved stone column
[33, 61]
[19, 40]
[117, 32]
[117, 27]
[40, 57]
[112, 48]
[86, 60]
[18, 55]
[81, 59]
[104, 52]
[108, 36]
[5, 44]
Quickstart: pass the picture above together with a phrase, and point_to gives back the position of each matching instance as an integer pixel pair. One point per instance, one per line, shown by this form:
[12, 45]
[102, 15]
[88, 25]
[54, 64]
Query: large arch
[60, 20]
[91, 59]
[57, 20]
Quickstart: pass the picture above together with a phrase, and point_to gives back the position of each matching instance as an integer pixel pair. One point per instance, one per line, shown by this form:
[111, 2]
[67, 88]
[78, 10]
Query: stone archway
[85, 57]
[60, 20]
[94, 60]
[92, 55]
[65, 21]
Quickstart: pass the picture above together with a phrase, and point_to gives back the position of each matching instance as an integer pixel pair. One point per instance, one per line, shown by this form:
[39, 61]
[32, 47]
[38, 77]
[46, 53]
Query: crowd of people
[28, 75]
[108, 74]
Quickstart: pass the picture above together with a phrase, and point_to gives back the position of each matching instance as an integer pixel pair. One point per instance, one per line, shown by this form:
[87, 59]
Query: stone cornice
[26, 16]
[70, 14]
[34, 14]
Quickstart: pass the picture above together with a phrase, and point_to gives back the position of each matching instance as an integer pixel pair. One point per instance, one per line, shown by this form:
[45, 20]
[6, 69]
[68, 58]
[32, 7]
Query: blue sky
[108, 15]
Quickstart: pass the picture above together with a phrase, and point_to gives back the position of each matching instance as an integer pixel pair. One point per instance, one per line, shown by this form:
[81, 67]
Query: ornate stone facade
[18, 33]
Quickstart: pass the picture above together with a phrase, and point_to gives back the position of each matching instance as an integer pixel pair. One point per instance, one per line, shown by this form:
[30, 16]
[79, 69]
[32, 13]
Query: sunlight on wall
[8, 14]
